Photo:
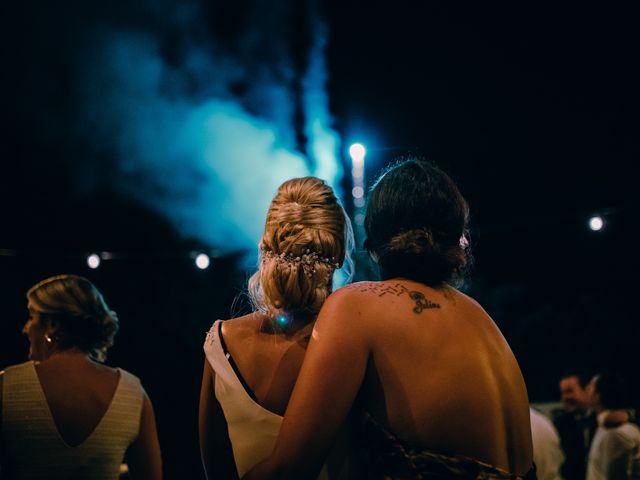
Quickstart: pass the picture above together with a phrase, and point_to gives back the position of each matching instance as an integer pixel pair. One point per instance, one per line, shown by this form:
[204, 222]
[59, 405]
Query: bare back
[441, 375]
[268, 362]
[78, 393]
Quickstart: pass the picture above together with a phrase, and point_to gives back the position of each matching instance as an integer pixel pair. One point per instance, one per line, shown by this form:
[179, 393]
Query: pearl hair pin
[307, 261]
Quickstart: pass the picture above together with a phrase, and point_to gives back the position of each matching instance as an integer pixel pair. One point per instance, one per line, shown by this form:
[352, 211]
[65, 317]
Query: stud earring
[47, 338]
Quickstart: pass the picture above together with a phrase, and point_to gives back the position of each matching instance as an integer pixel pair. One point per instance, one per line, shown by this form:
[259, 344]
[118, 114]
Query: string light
[202, 261]
[596, 223]
[93, 261]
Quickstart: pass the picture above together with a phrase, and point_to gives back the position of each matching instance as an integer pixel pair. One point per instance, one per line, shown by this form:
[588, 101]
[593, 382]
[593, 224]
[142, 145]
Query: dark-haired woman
[438, 389]
[65, 415]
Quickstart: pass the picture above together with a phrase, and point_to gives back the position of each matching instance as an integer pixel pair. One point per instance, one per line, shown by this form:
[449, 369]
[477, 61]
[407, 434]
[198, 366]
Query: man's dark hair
[583, 378]
[613, 390]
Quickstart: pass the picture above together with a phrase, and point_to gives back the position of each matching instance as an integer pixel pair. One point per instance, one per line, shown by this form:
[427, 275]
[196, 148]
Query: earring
[47, 338]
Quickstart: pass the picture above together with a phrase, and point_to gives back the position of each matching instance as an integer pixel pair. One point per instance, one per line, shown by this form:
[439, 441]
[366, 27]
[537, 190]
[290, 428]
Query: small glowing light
[93, 261]
[357, 192]
[357, 172]
[358, 202]
[282, 320]
[203, 261]
[596, 223]
[357, 153]
[359, 219]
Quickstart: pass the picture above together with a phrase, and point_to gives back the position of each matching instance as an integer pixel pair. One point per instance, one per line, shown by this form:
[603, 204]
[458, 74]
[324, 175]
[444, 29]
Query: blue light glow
[357, 153]
[189, 146]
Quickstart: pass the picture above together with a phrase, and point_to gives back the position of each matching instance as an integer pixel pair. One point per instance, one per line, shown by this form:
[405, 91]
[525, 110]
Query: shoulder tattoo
[421, 302]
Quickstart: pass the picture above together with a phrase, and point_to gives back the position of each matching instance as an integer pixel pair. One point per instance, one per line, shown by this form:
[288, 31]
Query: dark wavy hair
[613, 390]
[417, 224]
[77, 309]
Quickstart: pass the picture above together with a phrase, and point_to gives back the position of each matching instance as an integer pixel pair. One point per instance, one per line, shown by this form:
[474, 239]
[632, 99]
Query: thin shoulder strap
[216, 356]
[233, 364]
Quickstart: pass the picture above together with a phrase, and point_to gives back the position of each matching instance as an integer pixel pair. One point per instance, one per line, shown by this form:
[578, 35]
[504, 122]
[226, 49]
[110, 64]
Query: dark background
[533, 110]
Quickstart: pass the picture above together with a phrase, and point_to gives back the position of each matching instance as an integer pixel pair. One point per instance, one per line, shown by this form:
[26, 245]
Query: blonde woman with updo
[252, 362]
[64, 414]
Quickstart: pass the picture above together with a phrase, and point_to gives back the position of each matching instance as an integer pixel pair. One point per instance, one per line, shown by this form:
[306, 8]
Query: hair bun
[291, 212]
[416, 241]
[416, 224]
[307, 236]
[78, 309]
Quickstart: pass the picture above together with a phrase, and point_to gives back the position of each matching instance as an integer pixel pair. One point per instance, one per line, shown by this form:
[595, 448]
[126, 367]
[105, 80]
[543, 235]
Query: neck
[290, 325]
[69, 354]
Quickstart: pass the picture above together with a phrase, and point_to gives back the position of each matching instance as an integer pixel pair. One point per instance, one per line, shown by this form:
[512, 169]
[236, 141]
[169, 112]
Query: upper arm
[615, 418]
[617, 451]
[1, 383]
[215, 447]
[143, 455]
[1, 447]
[330, 378]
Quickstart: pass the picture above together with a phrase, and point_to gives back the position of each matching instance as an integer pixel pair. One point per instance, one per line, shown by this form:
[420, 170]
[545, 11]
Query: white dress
[253, 430]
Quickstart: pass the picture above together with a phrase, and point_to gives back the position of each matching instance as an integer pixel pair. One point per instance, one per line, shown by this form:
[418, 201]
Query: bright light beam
[596, 223]
[93, 261]
[357, 153]
[202, 261]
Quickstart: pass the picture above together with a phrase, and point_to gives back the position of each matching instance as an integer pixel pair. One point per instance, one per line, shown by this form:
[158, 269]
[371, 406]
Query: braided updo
[307, 235]
[77, 309]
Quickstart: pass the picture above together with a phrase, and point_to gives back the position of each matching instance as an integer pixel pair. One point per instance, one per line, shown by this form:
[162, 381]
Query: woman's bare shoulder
[467, 301]
[245, 325]
[358, 290]
[352, 299]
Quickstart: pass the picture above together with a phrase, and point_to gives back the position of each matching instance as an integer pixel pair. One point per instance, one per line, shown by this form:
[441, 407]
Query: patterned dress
[389, 458]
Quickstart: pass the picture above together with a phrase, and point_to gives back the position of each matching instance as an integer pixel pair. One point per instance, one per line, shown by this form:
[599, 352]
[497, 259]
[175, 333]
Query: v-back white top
[253, 429]
[33, 446]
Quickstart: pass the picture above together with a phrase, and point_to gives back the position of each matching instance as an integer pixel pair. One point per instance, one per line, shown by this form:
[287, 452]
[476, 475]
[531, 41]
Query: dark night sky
[533, 108]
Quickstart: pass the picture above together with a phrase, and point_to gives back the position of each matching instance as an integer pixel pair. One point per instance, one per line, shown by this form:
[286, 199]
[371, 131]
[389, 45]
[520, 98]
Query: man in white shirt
[615, 452]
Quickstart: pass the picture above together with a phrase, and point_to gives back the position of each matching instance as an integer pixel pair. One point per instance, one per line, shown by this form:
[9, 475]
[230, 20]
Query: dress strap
[233, 364]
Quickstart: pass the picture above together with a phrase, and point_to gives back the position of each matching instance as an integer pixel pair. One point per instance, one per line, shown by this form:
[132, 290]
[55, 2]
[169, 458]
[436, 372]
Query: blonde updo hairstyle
[77, 310]
[307, 235]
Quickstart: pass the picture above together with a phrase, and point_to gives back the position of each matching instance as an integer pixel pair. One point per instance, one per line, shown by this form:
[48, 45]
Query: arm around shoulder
[332, 373]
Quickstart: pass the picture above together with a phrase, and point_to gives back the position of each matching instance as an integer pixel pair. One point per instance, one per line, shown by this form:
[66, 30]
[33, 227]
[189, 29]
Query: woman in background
[64, 414]
[438, 389]
[252, 362]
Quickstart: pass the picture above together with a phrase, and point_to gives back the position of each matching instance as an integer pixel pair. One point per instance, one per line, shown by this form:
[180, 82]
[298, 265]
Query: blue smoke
[187, 144]
[324, 143]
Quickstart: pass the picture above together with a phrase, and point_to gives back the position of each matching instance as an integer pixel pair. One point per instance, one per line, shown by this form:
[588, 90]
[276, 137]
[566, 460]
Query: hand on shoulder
[615, 418]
